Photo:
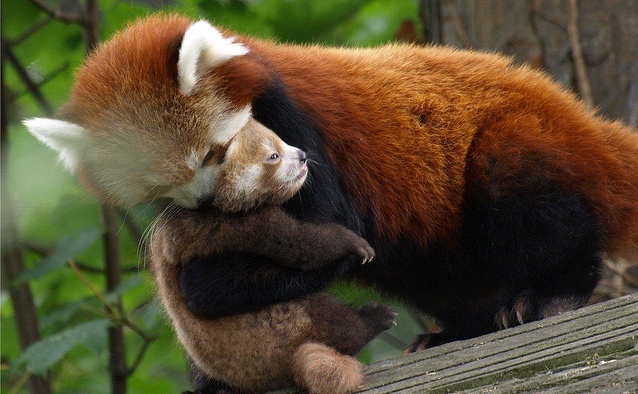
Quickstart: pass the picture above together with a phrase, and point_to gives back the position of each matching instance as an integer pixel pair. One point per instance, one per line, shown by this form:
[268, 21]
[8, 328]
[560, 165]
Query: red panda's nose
[302, 156]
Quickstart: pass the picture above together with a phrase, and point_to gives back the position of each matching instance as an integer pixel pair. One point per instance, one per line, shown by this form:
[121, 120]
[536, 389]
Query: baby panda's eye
[209, 156]
[274, 156]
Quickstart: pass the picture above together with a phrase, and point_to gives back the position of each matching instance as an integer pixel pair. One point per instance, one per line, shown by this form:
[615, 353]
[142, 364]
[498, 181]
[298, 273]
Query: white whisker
[166, 214]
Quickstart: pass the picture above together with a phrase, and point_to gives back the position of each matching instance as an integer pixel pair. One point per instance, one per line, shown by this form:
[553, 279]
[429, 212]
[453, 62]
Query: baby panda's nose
[205, 203]
[302, 156]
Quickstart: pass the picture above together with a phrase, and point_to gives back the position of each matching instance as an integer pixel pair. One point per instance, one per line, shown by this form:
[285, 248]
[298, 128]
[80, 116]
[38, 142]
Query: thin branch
[32, 87]
[45, 251]
[29, 32]
[582, 77]
[54, 74]
[58, 15]
[115, 313]
[133, 229]
[140, 355]
[91, 24]
[12, 257]
[18, 385]
[458, 24]
[118, 368]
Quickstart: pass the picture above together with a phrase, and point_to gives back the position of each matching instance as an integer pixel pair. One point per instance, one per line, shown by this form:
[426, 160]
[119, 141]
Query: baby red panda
[309, 340]
[489, 193]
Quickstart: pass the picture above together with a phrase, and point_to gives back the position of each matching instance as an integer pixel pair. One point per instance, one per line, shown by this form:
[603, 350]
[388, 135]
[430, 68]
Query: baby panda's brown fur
[308, 341]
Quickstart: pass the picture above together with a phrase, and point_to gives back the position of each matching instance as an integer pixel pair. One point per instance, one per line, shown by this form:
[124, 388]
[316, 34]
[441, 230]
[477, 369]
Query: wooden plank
[594, 349]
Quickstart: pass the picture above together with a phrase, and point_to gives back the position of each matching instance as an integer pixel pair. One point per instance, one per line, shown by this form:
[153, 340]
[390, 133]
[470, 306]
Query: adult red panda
[489, 193]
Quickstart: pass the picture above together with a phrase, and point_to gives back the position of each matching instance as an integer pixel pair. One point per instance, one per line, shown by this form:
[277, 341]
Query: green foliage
[66, 249]
[52, 212]
[42, 355]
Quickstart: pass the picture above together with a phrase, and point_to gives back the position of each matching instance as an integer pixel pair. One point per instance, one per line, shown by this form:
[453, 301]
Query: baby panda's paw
[346, 243]
[378, 317]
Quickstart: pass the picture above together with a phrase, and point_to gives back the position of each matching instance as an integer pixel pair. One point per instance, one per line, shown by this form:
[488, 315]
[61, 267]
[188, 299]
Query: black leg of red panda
[231, 284]
[530, 247]
[542, 234]
[531, 250]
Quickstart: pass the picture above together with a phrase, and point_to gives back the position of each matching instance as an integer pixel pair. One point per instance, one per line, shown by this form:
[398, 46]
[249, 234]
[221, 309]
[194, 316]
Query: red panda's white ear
[203, 47]
[68, 139]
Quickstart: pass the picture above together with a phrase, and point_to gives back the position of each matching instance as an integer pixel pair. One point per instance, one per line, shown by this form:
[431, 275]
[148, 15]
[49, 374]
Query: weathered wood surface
[594, 349]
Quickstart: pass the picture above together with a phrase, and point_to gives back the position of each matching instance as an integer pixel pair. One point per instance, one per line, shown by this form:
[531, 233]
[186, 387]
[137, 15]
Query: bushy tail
[322, 370]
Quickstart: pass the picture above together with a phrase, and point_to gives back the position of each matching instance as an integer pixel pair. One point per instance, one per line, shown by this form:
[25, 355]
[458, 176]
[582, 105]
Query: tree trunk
[537, 32]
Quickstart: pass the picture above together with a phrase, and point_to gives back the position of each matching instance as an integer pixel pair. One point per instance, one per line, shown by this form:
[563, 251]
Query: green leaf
[68, 248]
[375, 23]
[153, 314]
[305, 20]
[64, 313]
[125, 286]
[43, 354]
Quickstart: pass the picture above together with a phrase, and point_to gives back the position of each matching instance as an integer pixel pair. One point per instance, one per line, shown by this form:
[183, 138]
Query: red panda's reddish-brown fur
[420, 123]
[144, 67]
[489, 193]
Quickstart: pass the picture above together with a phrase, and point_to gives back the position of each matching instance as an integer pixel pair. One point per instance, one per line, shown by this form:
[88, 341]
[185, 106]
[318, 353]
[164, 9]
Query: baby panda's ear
[203, 47]
[68, 139]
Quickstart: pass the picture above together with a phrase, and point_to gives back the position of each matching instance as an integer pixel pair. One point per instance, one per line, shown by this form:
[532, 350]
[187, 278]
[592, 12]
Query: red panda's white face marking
[258, 168]
[204, 172]
[144, 128]
[127, 165]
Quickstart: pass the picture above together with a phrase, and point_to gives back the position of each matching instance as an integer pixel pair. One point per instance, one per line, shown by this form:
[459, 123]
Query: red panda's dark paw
[516, 311]
[426, 341]
[378, 317]
[363, 251]
[421, 342]
[528, 306]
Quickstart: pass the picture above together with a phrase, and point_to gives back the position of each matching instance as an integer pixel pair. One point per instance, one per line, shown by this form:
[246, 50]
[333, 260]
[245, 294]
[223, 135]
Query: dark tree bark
[24, 309]
[537, 32]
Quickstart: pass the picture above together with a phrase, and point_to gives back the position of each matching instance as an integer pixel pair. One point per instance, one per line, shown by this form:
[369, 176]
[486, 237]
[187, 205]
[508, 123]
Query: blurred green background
[55, 221]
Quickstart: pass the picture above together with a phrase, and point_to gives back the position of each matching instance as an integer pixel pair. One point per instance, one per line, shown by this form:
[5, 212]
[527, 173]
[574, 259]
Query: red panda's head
[147, 109]
[256, 169]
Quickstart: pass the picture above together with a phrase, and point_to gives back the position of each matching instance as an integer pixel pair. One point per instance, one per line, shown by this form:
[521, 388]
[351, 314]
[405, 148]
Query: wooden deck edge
[593, 349]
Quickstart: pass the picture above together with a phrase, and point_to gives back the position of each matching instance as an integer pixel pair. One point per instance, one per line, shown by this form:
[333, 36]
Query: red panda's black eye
[274, 156]
[209, 156]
